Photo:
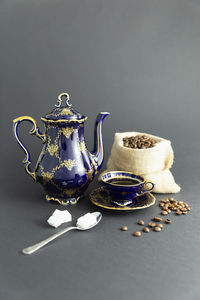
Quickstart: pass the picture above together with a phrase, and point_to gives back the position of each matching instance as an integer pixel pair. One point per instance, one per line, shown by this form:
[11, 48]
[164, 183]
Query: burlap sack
[152, 163]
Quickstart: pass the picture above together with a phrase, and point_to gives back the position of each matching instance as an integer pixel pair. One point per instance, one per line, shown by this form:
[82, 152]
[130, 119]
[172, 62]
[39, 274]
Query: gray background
[140, 61]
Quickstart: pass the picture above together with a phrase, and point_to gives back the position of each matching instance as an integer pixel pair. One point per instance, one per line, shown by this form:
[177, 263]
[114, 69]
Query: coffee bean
[168, 211]
[174, 209]
[171, 199]
[168, 221]
[141, 222]
[157, 229]
[157, 219]
[183, 209]
[159, 225]
[137, 233]
[164, 212]
[146, 229]
[184, 212]
[178, 212]
[124, 228]
[161, 204]
[165, 200]
[174, 202]
[152, 224]
[165, 207]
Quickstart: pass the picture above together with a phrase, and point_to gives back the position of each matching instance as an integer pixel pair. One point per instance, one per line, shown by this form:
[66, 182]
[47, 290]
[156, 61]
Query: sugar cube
[54, 221]
[86, 221]
[59, 217]
[63, 215]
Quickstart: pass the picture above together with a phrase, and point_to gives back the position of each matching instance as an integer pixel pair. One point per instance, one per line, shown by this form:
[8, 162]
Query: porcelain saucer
[101, 197]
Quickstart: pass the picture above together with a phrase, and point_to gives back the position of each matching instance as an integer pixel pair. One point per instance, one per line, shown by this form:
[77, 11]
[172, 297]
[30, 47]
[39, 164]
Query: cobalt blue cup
[124, 186]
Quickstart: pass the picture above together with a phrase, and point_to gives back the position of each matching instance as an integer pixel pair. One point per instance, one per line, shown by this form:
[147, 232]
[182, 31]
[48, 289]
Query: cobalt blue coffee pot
[65, 167]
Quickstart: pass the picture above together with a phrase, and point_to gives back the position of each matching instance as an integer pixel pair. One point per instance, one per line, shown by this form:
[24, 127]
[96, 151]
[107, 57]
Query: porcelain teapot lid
[64, 113]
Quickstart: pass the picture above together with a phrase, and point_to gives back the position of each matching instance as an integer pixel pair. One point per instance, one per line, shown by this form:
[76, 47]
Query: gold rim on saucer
[101, 198]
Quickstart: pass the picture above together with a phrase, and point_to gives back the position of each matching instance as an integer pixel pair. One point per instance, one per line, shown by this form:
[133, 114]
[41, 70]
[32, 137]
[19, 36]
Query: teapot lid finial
[64, 112]
[60, 100]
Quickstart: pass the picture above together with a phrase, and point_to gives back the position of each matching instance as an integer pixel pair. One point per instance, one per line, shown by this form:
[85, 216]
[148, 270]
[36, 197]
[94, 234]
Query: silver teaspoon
[41, 244]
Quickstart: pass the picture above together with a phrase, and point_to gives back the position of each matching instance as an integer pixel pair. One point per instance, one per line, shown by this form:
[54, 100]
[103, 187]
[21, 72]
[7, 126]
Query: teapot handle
[34, 131]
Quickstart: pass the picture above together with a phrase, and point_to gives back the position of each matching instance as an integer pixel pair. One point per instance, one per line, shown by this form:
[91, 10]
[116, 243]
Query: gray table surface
[140, 61]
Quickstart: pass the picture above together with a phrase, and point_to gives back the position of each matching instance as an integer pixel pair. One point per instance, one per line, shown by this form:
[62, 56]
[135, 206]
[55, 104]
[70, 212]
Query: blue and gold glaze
[65, 167]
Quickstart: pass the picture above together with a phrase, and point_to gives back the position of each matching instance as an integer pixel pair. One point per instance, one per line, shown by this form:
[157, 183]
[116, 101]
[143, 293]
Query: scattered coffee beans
[167, 206]
[124, 228]
[146, 229]
[170, 204]
[137, 233]
[141, 222]
[139, 142]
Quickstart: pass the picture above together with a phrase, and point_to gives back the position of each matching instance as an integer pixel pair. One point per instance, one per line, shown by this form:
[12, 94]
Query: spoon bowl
[98, 216]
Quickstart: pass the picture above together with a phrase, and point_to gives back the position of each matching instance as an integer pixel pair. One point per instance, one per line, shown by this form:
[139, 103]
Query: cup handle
[147, 190]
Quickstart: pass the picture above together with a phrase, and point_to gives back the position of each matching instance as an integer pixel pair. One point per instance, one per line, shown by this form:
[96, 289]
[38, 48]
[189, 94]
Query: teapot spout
[98, 152]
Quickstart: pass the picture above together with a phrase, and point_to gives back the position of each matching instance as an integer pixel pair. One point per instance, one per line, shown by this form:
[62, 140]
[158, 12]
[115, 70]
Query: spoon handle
[41, 244]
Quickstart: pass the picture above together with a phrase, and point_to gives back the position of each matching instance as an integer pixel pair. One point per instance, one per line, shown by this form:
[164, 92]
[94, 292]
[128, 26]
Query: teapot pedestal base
[68, 201]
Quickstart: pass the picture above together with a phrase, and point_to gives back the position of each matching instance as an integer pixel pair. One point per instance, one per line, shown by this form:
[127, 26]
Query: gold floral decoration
[69, 164]
[66, 111]
[67, 131]
[69, 192]
[46, 176]
[53, 148]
